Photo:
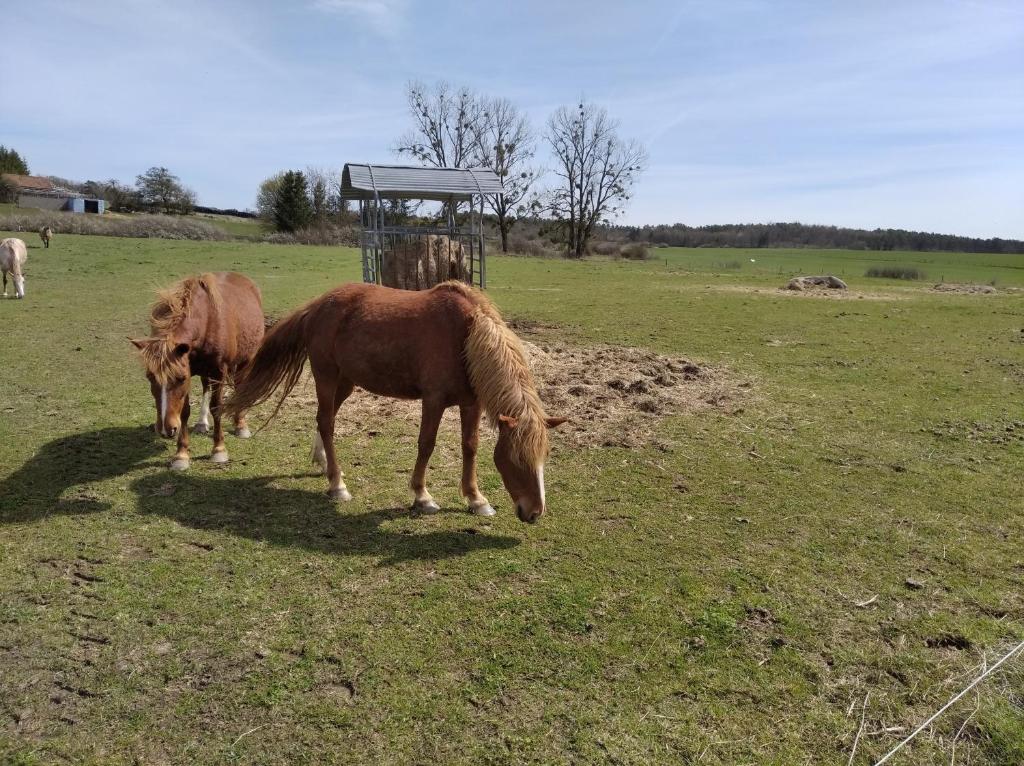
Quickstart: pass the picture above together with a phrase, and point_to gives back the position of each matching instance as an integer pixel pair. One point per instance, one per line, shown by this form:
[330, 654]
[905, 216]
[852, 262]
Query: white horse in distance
[13, 255]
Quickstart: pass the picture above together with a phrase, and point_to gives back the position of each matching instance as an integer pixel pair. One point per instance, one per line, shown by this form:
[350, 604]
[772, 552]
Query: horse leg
[326, 409]
[202, 425]
[220, 450]
[241, 427]
[431, 419]
[470, 417]
[181, 459]
[319, 455]
[5, 284]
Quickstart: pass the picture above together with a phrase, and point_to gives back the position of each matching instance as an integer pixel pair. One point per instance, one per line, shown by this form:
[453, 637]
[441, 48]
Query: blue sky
[898, 113]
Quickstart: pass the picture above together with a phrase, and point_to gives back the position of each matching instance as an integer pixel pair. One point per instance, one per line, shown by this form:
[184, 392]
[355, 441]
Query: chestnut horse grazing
[210, 326]
[446, 346]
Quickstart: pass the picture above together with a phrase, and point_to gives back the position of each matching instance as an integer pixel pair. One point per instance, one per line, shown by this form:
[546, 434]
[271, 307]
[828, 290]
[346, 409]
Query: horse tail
[277, 364]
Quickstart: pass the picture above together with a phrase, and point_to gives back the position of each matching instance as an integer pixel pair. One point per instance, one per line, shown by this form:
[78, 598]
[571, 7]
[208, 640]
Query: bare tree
[504, 142]
[444, 122]
[596, 171]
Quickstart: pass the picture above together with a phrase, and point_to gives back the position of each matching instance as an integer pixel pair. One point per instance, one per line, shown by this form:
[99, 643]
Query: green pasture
[245, 228]
[850, 527]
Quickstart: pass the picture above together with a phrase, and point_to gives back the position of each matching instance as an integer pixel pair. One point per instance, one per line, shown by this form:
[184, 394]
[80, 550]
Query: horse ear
[555, 422]
[139, 343]
[182, 349]
[506, 420]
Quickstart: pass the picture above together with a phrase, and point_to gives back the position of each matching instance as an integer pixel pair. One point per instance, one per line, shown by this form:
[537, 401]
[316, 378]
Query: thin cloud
[384, 16]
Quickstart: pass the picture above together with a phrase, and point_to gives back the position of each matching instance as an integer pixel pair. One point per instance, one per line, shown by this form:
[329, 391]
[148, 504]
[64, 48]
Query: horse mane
[501, 377]
[171, 309]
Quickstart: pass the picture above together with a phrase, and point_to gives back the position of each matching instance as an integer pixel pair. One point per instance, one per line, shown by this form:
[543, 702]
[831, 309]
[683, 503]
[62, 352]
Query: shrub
[139, 225]
[634, 252]
[520, 245]
[604, 248]
[895, 272]
[315, 235]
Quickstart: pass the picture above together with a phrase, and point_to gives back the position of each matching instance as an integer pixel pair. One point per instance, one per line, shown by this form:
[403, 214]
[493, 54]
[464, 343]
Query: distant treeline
[803, 235]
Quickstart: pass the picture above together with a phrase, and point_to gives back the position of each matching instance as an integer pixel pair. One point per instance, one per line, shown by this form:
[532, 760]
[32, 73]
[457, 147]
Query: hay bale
[423, 262]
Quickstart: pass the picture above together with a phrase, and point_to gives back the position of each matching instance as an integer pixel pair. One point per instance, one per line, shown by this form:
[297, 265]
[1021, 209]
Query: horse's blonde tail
[277, 364]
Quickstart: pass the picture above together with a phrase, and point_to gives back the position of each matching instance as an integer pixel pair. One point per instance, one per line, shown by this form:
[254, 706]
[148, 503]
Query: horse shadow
[55, 480]
[43, 485]
[256, 509]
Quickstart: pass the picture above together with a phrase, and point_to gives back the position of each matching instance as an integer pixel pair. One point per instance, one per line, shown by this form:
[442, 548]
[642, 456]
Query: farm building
[38, 192]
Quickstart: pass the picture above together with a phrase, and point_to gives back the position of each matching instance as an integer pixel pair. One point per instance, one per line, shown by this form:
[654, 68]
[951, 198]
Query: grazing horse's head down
[501, 377]
[166, 354]
[167, 367]
[522, 472]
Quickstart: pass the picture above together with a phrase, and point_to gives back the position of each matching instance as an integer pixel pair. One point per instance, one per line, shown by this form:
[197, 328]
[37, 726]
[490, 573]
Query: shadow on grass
[55, 480]
[37, 489]
[253, 508]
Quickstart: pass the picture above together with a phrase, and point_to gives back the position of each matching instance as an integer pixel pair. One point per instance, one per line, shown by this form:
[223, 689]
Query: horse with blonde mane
[447, 346]
[13, 254]
[210, 326]
[46, 234]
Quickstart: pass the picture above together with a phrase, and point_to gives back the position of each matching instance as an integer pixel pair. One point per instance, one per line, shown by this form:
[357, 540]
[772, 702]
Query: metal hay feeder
[448, 251]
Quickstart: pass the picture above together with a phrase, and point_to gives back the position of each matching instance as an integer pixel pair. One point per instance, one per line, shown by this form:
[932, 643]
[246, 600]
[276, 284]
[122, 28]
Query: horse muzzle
[530, 517]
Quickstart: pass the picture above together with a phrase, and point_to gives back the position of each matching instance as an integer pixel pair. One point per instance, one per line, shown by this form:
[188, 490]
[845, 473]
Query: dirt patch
[949, 287]
[1009, 432]
[817, 291]
[615, 396]
[897, 294]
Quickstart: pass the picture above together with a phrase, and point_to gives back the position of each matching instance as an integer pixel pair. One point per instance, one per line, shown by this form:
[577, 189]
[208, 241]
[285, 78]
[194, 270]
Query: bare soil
[614, 396]
[950, 287]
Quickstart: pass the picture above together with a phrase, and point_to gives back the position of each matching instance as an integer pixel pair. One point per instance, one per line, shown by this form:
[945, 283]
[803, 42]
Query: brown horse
[210, 326]
[446, 346]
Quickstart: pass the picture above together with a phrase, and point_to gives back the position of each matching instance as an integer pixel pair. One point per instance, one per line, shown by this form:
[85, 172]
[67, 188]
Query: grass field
[246, 228]
[728, 594]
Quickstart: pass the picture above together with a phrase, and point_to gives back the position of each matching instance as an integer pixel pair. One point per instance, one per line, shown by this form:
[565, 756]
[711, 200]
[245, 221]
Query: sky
[905, 113]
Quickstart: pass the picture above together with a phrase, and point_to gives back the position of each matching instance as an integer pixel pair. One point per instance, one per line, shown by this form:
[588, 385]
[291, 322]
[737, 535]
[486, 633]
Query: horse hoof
[243, 433]
[340, 494]
[219, 457]
[180, 464]
[200, 428]
[483, 509]
[426, 506]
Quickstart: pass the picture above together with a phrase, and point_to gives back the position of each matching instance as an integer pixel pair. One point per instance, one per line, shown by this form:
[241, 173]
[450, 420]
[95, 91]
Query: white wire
[953, 701]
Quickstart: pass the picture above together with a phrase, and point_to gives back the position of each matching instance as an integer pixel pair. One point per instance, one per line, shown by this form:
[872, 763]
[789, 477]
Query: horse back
[234, 328]
[400, 343]
[13, 254]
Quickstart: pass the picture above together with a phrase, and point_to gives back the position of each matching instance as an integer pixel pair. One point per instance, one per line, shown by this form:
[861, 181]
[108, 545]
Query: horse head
[519, 457]
[169, 374]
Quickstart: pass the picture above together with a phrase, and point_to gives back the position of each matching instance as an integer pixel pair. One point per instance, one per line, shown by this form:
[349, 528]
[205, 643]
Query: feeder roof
[403, 182]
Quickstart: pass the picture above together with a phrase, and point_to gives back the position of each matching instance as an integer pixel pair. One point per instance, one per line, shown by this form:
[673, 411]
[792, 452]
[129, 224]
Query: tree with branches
[444, 125]
[159, 189]
[595, 168]
[504, 142]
